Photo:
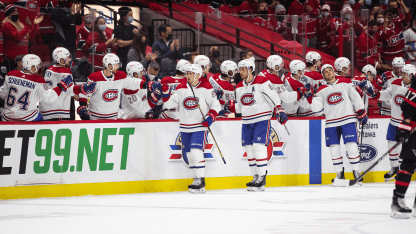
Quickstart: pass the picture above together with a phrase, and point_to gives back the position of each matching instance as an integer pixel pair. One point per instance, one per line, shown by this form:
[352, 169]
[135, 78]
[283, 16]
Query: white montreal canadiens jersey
[21, 92]
[173, 82]
[279, 86]
[395, 94]
[219, 83]
[410, 44]
[61, 107]
[355, 81]
[390, 77]
[190, 116]
[105, 101]
[291, 108]
[134, 103]
[256, 100]
[340, 102]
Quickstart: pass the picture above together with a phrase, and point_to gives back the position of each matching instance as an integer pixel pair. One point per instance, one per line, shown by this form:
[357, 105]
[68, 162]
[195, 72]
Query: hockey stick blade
[345, 183]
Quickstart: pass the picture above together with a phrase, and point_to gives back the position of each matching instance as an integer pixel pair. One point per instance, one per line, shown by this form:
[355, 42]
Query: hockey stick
[284, 125]
[345, 183]
[209, 129]
[362, 126]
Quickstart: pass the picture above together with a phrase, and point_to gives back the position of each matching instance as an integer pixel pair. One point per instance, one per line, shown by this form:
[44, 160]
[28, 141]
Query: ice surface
[307, 209]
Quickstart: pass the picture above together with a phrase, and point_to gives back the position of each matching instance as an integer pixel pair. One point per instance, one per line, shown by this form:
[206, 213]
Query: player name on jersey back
[23, 83]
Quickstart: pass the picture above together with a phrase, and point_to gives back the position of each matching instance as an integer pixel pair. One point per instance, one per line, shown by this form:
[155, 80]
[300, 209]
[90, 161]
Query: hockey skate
[340, 175]
[399, 210]
[251, 183]
[356, 175]
[198, 186]
[391, 174]
[260, 183]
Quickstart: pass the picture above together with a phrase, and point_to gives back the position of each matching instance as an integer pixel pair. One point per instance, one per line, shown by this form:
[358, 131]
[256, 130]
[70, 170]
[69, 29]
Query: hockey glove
[207, 121]
[166, 91]
[381, 80]
[87, 88]
[153, 86]
[361, 87]
[83, 113]
[155, 97]
[219, 93]
[362, 116]
[280, 114]
[230, 106]
[65, 83]
[403, 132]
[372, 92]
[304, 92]
[150, 114]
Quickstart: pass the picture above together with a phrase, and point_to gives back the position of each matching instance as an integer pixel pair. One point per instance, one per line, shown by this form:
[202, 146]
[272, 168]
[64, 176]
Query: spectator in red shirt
[368, 46]
[263, 19]
[309, 9]
[228, 8]
[281, 19]
[325, 34]
[16, 35]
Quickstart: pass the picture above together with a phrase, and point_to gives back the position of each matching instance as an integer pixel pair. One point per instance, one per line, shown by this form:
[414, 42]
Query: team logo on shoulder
[275, 147]
[335, 98]
[176, 150]
[110, 95]
[398, 100]
[368, 152]
[248, 99]
[190, 103]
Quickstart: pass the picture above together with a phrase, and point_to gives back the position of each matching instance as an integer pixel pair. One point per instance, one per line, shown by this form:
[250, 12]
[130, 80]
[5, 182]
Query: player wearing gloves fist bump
[343, 107]
[191, 99]
[257, 101]
[105, 99]
[22, 90]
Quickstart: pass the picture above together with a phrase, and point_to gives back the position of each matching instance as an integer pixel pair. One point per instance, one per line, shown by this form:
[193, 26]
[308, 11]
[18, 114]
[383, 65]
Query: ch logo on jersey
[176, 150]
[31, 5]
[398, 100]
[110, 95]
[248, 99]
[394, 40]
[373, 51]
[190, 103]
[275, 147]
[334, 98]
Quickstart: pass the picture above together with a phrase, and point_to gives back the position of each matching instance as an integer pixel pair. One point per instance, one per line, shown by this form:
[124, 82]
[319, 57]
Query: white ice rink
[306, 209]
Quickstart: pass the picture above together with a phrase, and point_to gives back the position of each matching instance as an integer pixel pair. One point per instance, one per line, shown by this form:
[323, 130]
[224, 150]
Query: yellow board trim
[154, 186]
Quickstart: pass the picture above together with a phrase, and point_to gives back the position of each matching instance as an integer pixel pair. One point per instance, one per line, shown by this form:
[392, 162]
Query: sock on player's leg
[198, 163]
[335, 151]
[394, 155]
[260, 153]
[353, 155]
[251, 159]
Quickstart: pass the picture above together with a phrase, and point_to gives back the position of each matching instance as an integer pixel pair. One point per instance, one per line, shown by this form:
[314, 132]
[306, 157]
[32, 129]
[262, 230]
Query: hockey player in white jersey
[313, 66]
[205, 63]
[105, 100]
[387, 79]
[364, 83]
[136, 103]
[342, 106]
[222, 86]
[342, 67]
[23, 89]
[59, 109]
[188, 98]
[257, 102]
[394, 94]
[169, 86]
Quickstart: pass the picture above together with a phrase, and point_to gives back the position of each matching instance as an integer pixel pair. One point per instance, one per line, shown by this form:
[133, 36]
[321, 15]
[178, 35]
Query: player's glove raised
[372, 92]
[362, 116]
[280, 114]
[219, 93]
[87, 88]
[65, 83]
[155, 97]
[230, 106]
[166, 92]
[381, 80]
[154, 86]
[83, 113]
[403, 132]
[361, 87]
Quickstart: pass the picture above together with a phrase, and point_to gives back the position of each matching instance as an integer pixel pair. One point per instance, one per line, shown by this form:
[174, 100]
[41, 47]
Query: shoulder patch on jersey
[397, 82]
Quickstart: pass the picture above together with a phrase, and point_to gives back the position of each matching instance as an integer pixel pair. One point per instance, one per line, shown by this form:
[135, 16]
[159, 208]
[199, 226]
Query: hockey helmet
[30, 60]
[297, 65]
[194, 68]
[227, 66]
[312, 56]
[181, 65]
[409, 69]
[325, 67]
[61, 53]
[342, 62]
[112, 59]
[247, 63]
[203, 61]
[273, 61]
[398, 62]
[369, 68]
[134, 67]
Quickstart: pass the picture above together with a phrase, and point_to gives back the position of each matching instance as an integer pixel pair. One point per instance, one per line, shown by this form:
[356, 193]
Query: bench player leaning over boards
[23, 89]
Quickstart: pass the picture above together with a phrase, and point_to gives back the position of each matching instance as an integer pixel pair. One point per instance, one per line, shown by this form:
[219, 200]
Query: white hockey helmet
[398, 62]
[325, 67]
[112, 59]
[30, 60]
[369, 68]
[227, 66]
[409, 69]
[202, 60]
[181, 65]
[247, 63]
[273, 61]
[297, 65]
[194, 68]
[61, 53]
[312, 56]
[134, 67]
[342, 62]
